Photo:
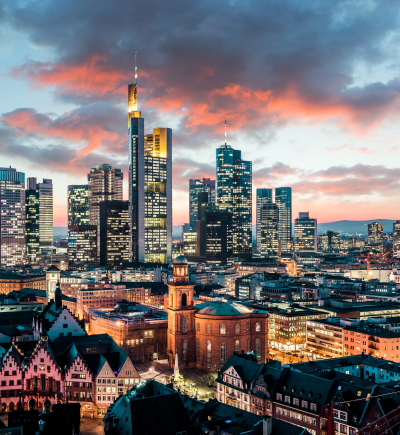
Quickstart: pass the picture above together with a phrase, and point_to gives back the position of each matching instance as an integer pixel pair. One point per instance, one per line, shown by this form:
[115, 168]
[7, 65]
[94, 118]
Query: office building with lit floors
[195, 186]
[269, 223]
[82, 244]
[114, 233]
[218, 237]
[234, 194]
[263, 197]
[78, 204]
[375, 233]
[12, 217]
[206, 334]
[396, 239]
[283, 199]
[32, 225]
[305, 233]
[150, 188]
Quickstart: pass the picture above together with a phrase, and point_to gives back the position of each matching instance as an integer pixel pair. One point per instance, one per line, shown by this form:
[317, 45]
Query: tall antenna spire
[135, 69]
[225, 131]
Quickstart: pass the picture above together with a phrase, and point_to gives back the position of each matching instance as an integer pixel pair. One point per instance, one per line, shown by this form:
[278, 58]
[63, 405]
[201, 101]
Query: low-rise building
[11, 281]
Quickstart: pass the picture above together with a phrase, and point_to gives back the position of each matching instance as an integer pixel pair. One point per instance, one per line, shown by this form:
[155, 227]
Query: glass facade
[269, 221]
[12, 217]
[196, 186]
[219, 238]
[396, 239]
[305, 234]
[78, 204]
[375, 233]
[234, 194]
[32, 225]
[263, 196]
[82, 244]
[283, 199]
[45, 214]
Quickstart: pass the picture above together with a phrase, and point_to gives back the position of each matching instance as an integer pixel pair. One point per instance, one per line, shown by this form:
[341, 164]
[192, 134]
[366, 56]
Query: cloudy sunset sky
[310, 91]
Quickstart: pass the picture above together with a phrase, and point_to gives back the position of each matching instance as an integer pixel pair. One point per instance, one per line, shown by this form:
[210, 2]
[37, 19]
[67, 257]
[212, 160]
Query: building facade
[196, 186]
[234, 195]
[375, 233]
[329, 242]
[269, 226]
[283, 199]
[12, 217]
[218, 237]
[32, 225]
[263, 197]
[114, 233]
[305, 233]
[396, 239]
[82, 244]
[78, 204]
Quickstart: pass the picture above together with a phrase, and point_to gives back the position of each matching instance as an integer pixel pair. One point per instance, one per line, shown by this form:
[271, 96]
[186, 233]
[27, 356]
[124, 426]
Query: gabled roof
[247, 370]
[52, 268]
[15, 354]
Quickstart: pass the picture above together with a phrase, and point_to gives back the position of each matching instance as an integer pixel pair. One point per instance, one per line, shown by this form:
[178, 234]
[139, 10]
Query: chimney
[267, 425]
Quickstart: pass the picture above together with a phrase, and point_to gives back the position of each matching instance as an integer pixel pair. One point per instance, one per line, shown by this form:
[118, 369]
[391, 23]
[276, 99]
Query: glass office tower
[82, 244]
[78, 204]
[196, 186]
[32, 222]
[396, 239]
[269, 222]
[12, 217]
[263, 197]
[283, 199]
[234, 194]
[305, 233]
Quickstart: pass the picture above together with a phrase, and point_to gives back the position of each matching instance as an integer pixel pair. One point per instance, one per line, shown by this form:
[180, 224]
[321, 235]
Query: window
[184, 349]
[279, 397]
[223, 351]
[342, 416]
[248, 327]
[65, 325]
[208, 328]
[237, 328]
[237, 345]
[343, 428]
[198, 327]
[304, 404]
[197, 348]
[287, 399]
[258, 327]
[184, 300]
[296, 402]
[313, 407]
[222, 329]
[258, 348]
[184, 324]
[208, 350]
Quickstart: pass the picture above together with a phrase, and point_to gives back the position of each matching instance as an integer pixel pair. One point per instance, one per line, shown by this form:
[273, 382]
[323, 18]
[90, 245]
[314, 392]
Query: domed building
[206, 334]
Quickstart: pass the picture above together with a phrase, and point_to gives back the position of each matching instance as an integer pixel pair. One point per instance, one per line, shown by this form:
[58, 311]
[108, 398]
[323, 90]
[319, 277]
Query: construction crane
[368, 267]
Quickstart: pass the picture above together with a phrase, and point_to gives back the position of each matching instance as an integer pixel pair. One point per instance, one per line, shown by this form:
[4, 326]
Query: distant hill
[354, 227]
[60, 231]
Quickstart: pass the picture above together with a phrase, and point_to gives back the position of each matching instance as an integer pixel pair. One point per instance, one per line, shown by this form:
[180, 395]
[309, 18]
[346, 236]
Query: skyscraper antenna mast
[135, 69]
[225, 131]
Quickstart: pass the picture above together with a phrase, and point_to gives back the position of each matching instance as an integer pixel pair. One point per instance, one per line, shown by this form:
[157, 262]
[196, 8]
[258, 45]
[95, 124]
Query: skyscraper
[78, 204]
[150, 187]
[45, 214]
[329, 242]
[283, 199]
[269, 221]
[263, 196]
[104, 184]
[12, 217]
[196, 186]
[234, 194]
[305, 233]
[375, 233]
[219, 238]
[396, 239]
[158, 196]
[32, 222]
[115, 233]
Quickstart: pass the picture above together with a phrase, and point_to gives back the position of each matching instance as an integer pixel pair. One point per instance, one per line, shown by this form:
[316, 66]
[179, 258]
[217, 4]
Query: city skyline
[320, 117]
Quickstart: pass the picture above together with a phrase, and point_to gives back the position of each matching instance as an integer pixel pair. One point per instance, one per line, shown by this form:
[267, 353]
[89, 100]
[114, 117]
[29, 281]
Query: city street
[285, 358]
[91, 426]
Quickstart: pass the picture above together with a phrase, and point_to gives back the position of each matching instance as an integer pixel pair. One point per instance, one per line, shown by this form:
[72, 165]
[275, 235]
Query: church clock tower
[52, 278]
[181, 324]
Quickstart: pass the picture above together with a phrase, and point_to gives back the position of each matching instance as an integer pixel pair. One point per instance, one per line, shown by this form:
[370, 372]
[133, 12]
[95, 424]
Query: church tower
[181, 324]
[52, 278]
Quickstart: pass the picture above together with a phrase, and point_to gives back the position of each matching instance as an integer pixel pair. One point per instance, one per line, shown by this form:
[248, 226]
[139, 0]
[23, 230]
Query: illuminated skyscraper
[305, 233]
[329, 242]
[283, 199]
[196, 186]
[32, 222]
[396, 239]
[78, 204]
[45, 214]
[264, 196]
[150, 187]
[375, 233]
[269, 221]
[82, 244]
[115, 233]
[219, 237]
[234, 194]
[12, 217]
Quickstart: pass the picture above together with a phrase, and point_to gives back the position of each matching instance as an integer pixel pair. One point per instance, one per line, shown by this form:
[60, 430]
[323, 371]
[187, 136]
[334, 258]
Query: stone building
[204, 335]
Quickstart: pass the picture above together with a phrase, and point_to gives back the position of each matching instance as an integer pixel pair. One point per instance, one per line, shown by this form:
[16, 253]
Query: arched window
[237, 345]
[258, 327]
[178, 271]
[258, 347]
[184, 349]
[222, 329]
[237, 328]
[197, 348]
[248, 327]
[208, 328]
[184, 300]
[208, 350]
[198, 327]
[184, 324]
[248, 345]
[223, 351]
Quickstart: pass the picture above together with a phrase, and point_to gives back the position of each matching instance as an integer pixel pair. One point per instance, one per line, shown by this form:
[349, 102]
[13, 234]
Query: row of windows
[222, 328]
